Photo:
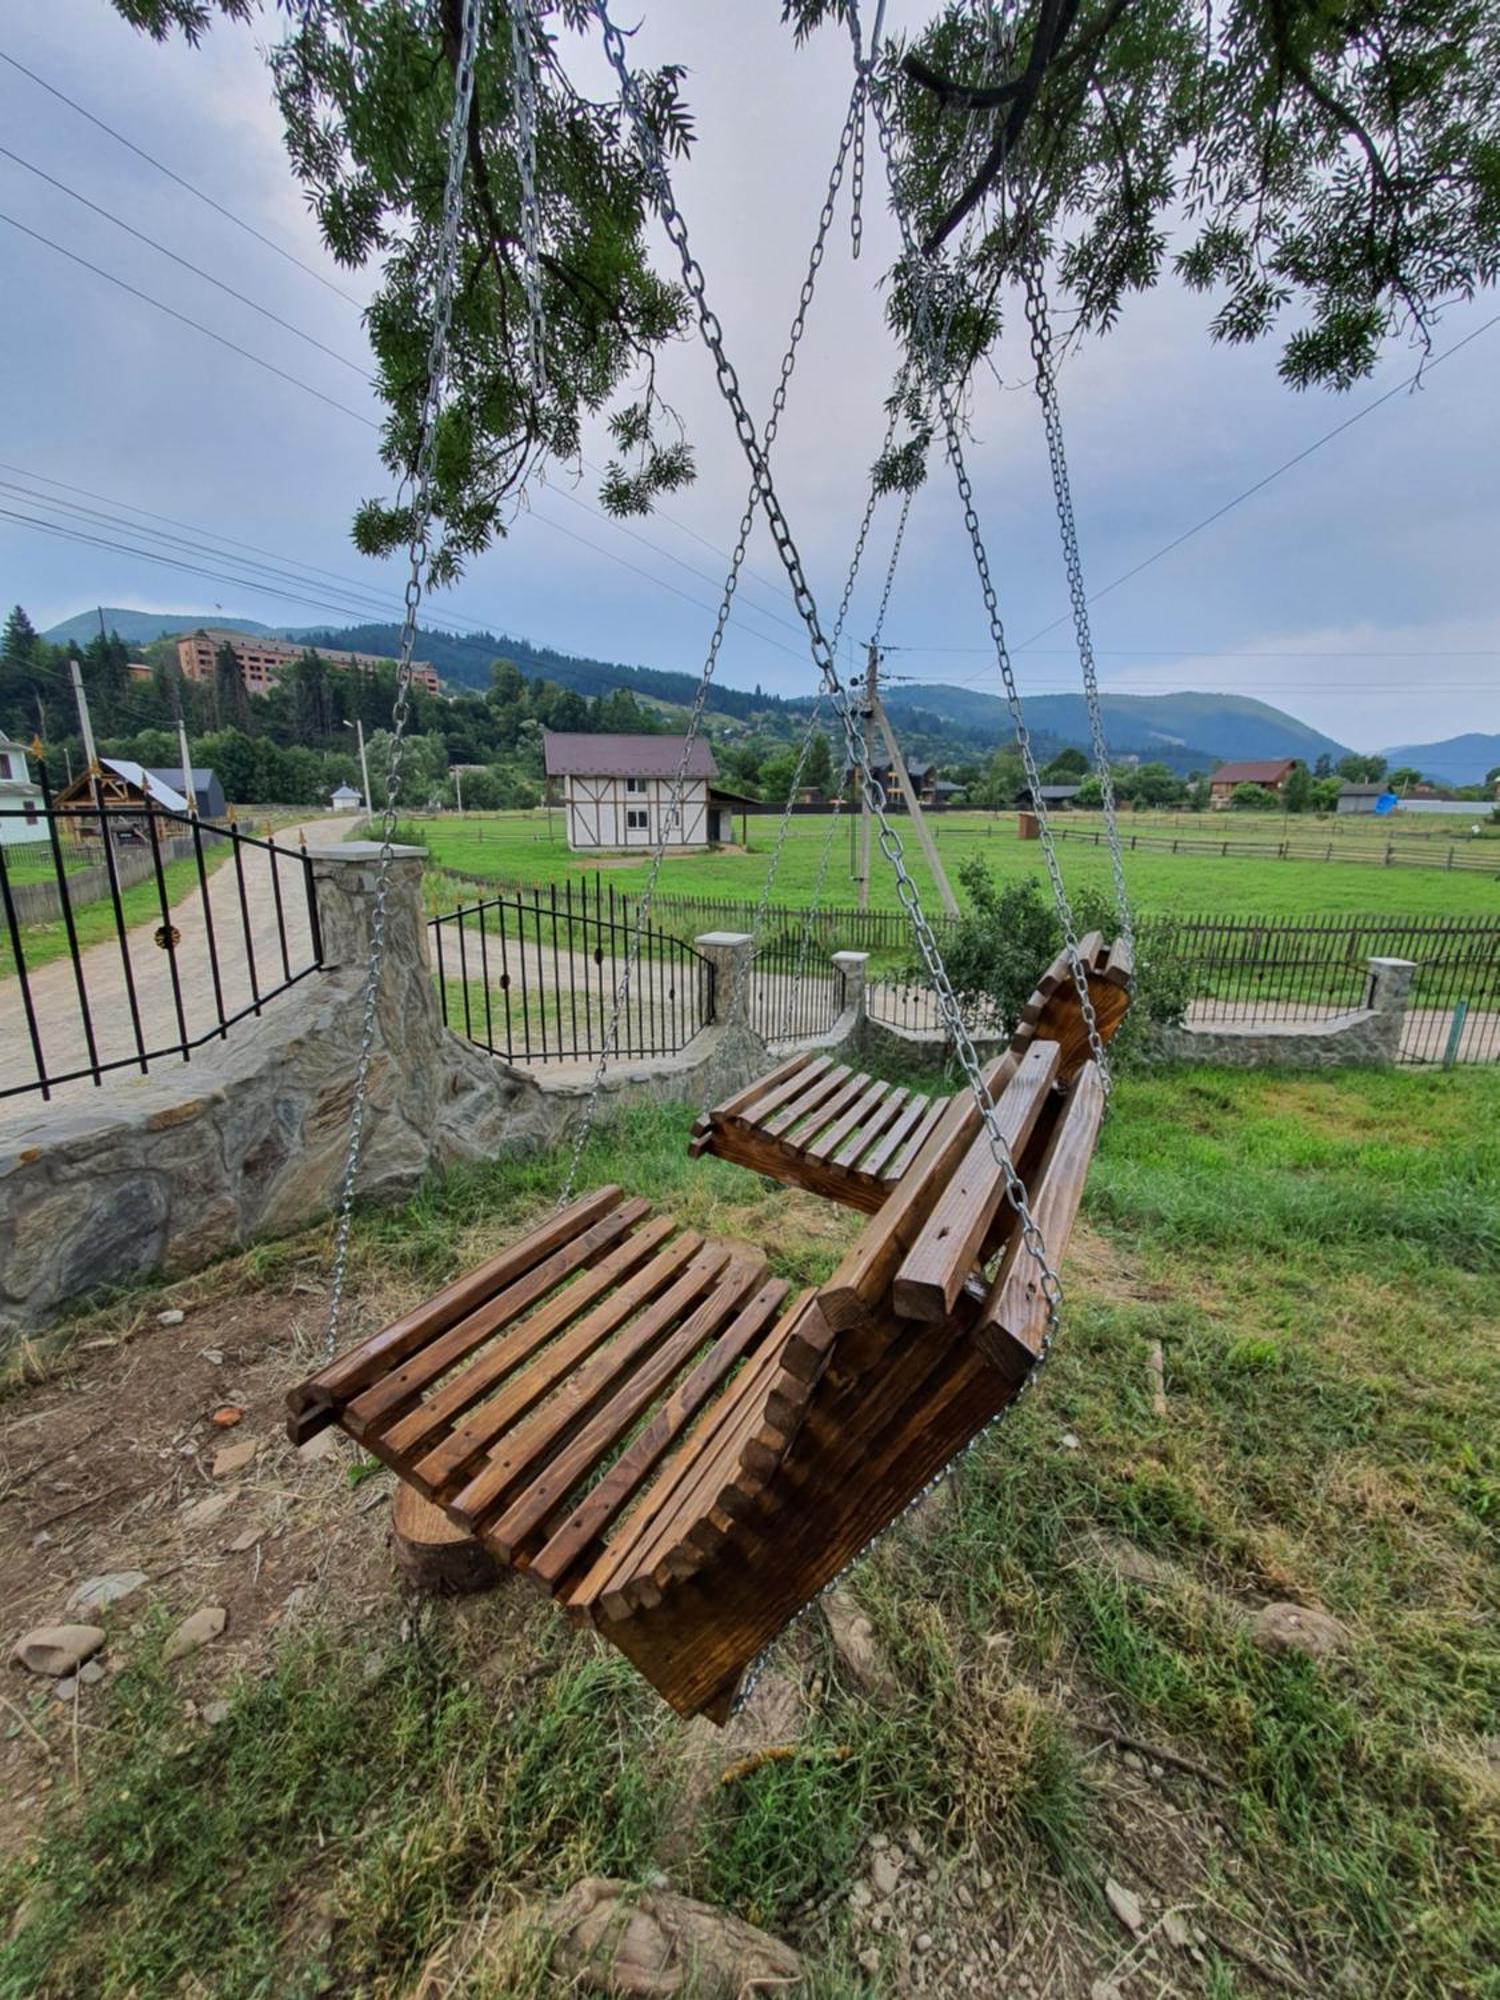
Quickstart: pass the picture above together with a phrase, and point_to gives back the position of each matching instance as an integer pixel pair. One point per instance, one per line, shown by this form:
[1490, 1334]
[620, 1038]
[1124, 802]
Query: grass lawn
[1074, 1696]
[517, 848]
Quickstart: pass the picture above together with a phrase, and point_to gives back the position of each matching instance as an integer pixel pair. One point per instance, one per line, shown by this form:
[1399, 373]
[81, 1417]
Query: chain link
[656, 173]
[890, 843]
[933, 351]
[523, 32]
[1046, 389]
[418, 554]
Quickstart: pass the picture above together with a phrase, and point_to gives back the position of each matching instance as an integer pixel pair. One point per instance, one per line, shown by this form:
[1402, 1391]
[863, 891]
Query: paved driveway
[246, 935]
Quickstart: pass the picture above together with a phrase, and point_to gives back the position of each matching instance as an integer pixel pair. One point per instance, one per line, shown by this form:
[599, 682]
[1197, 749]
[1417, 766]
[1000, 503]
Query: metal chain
[890, 843]
[418, 554]
[523, 75]
[731, 581]
[1046, 388]
[857, 190]
[933, 353]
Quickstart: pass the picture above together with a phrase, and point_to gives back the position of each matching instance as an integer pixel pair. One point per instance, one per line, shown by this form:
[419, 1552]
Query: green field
[517, 848]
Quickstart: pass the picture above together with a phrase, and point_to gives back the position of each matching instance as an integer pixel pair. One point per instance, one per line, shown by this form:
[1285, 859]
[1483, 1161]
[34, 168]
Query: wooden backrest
[919, 1251]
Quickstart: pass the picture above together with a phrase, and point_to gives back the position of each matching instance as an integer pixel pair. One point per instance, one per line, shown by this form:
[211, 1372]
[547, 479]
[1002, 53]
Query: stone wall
[1362, 1037]
[165, 1172]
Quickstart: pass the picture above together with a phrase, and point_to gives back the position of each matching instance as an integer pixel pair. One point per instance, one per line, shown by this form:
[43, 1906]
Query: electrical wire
[181, 180]
[197, 325]
[196, 269]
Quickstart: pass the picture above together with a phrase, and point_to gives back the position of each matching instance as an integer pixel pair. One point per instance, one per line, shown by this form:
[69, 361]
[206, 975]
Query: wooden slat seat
[817, 1124]
[639, 1420]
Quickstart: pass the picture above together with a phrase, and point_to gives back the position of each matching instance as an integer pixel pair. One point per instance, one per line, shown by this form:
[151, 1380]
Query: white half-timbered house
[617, 790]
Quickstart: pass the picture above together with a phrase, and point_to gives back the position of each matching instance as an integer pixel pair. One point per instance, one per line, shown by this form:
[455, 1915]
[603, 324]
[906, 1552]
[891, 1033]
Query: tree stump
[433, 1553]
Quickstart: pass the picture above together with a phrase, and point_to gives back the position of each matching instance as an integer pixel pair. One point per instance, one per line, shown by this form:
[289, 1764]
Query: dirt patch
[110, 1467]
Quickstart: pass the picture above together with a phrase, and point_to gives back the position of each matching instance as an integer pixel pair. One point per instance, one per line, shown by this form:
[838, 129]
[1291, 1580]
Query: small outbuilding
[345, 799]
[1360, 798]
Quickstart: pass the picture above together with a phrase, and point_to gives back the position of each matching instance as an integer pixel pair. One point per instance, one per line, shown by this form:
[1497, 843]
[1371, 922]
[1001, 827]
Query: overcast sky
[1357, 591]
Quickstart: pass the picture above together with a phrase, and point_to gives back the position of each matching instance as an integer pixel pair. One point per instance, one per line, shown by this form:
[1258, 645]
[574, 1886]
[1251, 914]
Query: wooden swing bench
[649, 1427]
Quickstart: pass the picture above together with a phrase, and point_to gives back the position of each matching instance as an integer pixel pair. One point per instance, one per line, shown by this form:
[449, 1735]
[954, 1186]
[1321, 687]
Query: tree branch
[1055, 20]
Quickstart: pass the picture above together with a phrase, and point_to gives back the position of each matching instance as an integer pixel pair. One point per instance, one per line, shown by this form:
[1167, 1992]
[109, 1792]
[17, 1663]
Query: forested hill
[466, 662]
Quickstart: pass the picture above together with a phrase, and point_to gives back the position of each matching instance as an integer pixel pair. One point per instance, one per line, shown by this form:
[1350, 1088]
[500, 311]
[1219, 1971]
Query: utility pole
[85, 726]
[914, 807]
[364, 763]
[458, 786]
[872, 670]
[189, 788]
[106, 831]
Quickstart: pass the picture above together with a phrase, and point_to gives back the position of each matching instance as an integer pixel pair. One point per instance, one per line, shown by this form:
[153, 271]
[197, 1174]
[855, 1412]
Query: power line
[660, 583]
[194, 528]
[1358, 416]
[191, 187]
[72, 534]
[356, 598]
[197, 325]
[196, 269]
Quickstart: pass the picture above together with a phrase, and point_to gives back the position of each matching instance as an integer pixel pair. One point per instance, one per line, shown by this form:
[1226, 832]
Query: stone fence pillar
[1390, 989]
[855, 967]
[346, 878]
[731, 954]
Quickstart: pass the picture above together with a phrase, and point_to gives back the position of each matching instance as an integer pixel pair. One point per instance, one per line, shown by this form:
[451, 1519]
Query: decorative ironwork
[234, 916]
[532, 976]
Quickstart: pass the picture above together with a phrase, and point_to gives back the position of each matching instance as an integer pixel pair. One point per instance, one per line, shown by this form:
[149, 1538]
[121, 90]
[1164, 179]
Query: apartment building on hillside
[263, 660]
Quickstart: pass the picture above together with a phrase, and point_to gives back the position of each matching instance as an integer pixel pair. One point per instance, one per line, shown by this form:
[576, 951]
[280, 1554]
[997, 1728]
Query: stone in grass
[203, 1513]
[613, 1939]
[55, 1650]
[854, 1640]
[195, 1631]
[1298, 1628]
[1126, 1906]
[232, 1458]
[102, 1590]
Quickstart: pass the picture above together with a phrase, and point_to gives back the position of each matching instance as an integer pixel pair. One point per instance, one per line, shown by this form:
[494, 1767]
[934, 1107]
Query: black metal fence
[1248, 970]
[532, 976]
[158, 935]
[1308, 969]
[795, 991]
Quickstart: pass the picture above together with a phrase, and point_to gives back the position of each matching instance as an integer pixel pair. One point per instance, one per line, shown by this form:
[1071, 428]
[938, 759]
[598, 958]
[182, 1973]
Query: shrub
[1009, 935]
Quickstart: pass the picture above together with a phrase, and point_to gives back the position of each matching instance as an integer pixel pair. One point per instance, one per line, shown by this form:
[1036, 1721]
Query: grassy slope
[514, 847]
[1317, 1257]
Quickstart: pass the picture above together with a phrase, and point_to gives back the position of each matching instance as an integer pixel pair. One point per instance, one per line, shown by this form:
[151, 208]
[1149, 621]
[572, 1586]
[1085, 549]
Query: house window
[31, 812]
[635, 784]
[637, 819]
[5, 770]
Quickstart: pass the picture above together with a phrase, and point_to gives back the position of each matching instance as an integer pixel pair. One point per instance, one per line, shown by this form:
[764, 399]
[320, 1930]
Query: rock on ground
[854, 1640]
[615, 1940]
[102, 1590]
[58, 1649]
[1298, 1628]
[195, 1631]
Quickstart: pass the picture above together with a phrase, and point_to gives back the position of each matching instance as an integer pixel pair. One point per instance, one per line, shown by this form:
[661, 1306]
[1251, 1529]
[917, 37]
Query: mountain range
[1188, 731]
[1457, 760]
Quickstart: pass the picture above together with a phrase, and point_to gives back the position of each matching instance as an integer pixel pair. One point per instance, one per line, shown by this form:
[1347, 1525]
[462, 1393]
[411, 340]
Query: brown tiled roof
[1254, 771]
[570, 754]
